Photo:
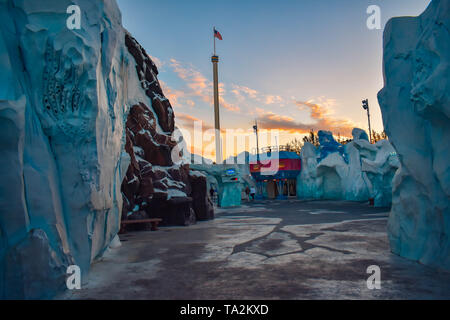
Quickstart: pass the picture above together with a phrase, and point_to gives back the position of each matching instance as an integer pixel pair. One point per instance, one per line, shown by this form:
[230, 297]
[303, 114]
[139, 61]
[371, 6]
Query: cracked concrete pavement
[288, 249]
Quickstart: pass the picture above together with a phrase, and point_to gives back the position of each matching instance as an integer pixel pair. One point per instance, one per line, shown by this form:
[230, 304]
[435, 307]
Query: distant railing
[276, 149]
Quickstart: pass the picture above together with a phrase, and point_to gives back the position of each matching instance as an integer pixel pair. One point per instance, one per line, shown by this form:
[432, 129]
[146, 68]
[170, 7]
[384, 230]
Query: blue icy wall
[64, 95]
[356, 172]
[415, 104]
[328, 144]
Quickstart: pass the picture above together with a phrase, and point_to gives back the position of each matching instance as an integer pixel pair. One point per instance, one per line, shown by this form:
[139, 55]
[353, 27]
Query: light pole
[255, 128]
[365, 105]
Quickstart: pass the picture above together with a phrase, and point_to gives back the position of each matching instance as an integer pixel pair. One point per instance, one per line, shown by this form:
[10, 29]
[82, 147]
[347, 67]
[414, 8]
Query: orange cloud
[321, 113]
[200, 86]
[240, 91]
[273, 99]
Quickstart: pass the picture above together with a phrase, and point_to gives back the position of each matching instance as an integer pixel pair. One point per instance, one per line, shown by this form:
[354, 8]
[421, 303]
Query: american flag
[217, 34]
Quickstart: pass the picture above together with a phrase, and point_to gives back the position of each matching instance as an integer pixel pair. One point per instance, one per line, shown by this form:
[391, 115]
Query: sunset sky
[292, 64]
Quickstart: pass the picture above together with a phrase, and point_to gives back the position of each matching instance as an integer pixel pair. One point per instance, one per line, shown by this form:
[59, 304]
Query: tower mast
[215, 62]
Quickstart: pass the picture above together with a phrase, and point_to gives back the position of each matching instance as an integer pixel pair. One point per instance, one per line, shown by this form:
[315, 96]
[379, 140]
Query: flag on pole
[217, 34]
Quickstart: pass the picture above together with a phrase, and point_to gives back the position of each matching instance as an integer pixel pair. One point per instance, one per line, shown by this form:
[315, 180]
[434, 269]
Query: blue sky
[293, 64]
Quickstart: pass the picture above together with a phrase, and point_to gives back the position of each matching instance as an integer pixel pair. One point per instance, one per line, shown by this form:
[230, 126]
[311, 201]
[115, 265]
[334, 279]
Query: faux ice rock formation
[415, 105]
[380, 172]
[307, 187]
[62, 108]
[229, 194]
[332, 172]
[328, 144]
[359, 172]
[65, 96]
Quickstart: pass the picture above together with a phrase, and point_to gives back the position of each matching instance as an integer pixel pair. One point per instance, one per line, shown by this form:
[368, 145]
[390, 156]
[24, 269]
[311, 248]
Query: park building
[275, 170]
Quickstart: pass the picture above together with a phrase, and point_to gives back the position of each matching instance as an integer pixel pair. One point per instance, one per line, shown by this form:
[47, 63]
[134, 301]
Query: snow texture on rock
[63, 101]
[157, 185]
[230, 194]
[328, 144]
[380, 172]
[359, 134]
[307, 187]
[65, 96]
[360, 172]
[415, 105]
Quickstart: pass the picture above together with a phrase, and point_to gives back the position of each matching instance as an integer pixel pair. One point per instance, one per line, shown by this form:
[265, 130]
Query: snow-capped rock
[355, 172]
[328, 144]
[415, 105]
[155, 186]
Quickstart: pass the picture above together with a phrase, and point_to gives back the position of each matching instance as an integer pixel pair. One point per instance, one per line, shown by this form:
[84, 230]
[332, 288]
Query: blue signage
[231, 172]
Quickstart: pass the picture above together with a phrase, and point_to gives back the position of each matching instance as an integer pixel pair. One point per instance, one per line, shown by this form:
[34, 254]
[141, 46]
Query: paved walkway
[264, 250]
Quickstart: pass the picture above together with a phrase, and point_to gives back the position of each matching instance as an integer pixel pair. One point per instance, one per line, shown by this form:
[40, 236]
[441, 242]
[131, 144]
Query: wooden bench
[154, 222]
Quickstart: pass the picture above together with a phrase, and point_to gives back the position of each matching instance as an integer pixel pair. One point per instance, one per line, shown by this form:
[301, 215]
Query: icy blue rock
[229, 193]
[356, 183]
[359, 134]
[380, 172]
[363, 171]
[307, 187]
[331, 175]
[328, 144]
[64, 97]
[415, 105]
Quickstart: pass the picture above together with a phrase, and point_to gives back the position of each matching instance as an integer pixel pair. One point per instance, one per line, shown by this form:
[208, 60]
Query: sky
[294, 65]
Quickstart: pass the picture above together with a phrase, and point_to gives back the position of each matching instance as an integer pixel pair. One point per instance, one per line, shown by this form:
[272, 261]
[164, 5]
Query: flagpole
[215, 61]
[214, 37]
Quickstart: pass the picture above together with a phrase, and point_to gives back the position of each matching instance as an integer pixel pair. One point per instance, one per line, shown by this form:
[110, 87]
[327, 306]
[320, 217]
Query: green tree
[313, 138]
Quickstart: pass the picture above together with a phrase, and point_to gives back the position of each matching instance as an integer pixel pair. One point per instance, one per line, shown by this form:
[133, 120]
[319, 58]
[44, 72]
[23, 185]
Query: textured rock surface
[360, 172]
[154, 185]
[202, 205]
[229, 194]
[380, 171]
[307, 180]
[65, 96]
[328, 144]
[416, 109]
[62, 107]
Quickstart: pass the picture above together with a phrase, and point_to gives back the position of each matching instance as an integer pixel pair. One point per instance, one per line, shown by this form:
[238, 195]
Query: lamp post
[365, 105]
[255, 128]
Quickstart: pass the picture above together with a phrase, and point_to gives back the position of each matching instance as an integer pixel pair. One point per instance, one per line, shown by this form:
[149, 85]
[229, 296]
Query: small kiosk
[275, 172]
[230, 193]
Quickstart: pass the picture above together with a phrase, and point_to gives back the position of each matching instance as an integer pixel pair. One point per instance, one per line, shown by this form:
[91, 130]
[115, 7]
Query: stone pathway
[264, 250]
